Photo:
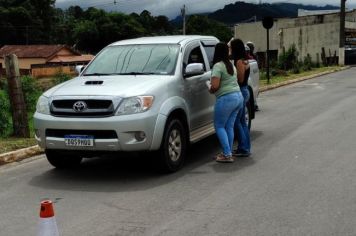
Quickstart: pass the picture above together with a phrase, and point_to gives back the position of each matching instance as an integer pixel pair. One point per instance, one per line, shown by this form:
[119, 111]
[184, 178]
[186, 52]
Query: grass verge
[290, 76]
[11, 144]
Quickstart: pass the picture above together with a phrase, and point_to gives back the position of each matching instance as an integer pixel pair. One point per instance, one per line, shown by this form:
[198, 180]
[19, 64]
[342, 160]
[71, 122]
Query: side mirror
[194, 69]
[79, 69]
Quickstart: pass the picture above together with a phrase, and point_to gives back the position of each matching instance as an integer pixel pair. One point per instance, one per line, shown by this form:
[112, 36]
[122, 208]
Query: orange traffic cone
[47, 225]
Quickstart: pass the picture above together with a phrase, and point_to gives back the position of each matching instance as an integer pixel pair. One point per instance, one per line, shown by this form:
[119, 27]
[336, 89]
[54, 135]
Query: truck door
[195, 90]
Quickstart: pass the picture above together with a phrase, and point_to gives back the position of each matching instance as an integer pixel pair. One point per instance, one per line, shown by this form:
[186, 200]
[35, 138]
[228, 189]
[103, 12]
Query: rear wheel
[61, 159]
[173, 148]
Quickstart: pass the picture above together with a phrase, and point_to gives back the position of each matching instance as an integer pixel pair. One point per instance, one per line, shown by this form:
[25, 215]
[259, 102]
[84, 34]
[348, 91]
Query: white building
[311, 34]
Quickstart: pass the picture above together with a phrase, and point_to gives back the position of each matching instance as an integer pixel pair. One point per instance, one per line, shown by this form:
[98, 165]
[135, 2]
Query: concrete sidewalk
[23, 153]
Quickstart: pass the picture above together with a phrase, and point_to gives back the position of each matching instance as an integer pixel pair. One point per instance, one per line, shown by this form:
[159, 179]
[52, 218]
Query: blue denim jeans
[225, 112]
[241, 128]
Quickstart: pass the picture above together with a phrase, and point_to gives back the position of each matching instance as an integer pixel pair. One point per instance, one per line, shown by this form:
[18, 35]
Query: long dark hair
[238, 51]
[222, 54]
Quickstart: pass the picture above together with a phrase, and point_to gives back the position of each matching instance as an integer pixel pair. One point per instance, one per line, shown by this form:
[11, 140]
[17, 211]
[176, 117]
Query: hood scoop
[94, 82]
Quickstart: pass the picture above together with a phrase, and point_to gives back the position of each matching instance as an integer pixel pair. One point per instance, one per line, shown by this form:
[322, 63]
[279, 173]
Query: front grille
[92, 104]
[98, 134]
[92, 108]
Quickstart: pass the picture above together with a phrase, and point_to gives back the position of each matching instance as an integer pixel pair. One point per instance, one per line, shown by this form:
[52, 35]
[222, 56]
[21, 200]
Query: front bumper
[126, 128]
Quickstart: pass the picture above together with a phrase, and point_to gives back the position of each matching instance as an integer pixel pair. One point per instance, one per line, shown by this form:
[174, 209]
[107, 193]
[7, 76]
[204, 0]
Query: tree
[86, 35]
[198, 24]
[162, 25]
[26, 21]
[75, 12]
[147, 21]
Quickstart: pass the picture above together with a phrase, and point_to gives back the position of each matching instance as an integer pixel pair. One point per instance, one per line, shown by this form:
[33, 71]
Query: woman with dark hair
[239, 56]
[228, 100]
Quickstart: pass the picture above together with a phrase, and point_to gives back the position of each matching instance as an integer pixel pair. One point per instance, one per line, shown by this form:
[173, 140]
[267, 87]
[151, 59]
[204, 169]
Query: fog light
[140, 136]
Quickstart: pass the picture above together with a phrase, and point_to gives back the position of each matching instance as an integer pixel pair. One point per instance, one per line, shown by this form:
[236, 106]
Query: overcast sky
[172, 8]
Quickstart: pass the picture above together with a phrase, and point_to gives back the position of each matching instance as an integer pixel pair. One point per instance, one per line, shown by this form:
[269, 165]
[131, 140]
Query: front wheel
[61, 160]
[173, 148]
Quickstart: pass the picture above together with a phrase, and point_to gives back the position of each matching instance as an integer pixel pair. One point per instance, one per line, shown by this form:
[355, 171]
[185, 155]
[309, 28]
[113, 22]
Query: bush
[288, 59]
[317, 64]
[5, 117]
[2, 83]
[278, 72]
[296, 67]
[263, 75]
[31, 92]
[61, 77]
[307, 63]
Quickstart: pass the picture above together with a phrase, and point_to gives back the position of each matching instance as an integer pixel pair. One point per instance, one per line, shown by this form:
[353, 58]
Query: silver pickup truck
[144, 94]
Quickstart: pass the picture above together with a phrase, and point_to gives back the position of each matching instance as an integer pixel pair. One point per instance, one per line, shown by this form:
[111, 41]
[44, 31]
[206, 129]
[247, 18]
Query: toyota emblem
[80, 106]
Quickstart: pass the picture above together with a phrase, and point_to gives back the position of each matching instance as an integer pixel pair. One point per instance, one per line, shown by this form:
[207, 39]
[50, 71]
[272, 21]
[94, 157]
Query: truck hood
[122, 86]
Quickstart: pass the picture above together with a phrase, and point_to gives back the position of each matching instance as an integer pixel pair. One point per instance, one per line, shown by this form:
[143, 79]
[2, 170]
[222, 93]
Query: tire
[173, 148]
[62, 160]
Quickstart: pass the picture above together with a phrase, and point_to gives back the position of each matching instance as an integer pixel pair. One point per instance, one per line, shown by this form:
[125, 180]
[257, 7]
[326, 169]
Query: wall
[308, 33]
[51, 70]
[25, 63]
[311, 39]
[255, 33]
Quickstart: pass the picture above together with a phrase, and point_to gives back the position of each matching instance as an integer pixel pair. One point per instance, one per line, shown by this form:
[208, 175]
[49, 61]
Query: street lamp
[267, 23]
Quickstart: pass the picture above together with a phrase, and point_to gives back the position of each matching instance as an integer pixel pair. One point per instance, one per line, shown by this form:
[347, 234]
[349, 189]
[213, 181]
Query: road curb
[24, 153]
[20, 154]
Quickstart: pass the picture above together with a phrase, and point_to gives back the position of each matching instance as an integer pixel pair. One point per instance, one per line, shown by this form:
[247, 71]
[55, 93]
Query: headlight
[43, 105]
[134, 105]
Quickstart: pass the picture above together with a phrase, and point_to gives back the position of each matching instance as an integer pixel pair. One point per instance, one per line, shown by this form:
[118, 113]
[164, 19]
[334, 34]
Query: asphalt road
[300, 180]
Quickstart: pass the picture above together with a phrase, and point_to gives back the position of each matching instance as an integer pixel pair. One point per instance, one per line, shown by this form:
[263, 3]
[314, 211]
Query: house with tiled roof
[44, 60]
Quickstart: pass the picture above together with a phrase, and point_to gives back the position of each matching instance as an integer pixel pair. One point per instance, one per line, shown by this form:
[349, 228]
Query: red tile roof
[33, 51]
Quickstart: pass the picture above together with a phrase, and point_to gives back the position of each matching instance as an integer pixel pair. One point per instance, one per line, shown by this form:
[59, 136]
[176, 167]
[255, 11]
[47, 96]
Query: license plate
[79, 140]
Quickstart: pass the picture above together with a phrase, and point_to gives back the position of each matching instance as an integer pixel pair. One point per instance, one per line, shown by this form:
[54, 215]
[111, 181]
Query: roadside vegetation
[32, 90]
[288, 67]
[291, 76]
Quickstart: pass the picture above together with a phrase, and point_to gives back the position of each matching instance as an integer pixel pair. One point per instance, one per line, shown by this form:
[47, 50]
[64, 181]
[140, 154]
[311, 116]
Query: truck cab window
[196, 56]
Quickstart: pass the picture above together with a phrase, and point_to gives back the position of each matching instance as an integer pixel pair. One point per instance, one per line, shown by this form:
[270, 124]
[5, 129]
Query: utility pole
[18, 106]
[183, 15]
[342, 34]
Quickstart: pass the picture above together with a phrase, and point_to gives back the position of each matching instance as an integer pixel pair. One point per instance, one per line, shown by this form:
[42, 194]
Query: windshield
[157, 59]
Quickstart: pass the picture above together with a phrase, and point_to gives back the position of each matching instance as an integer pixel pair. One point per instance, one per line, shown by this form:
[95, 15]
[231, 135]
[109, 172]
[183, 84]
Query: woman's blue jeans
[242, 131]
[225, 112]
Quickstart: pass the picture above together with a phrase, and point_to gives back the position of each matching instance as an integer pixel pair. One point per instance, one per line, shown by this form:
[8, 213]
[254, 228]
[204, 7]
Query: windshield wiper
[136, 73]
